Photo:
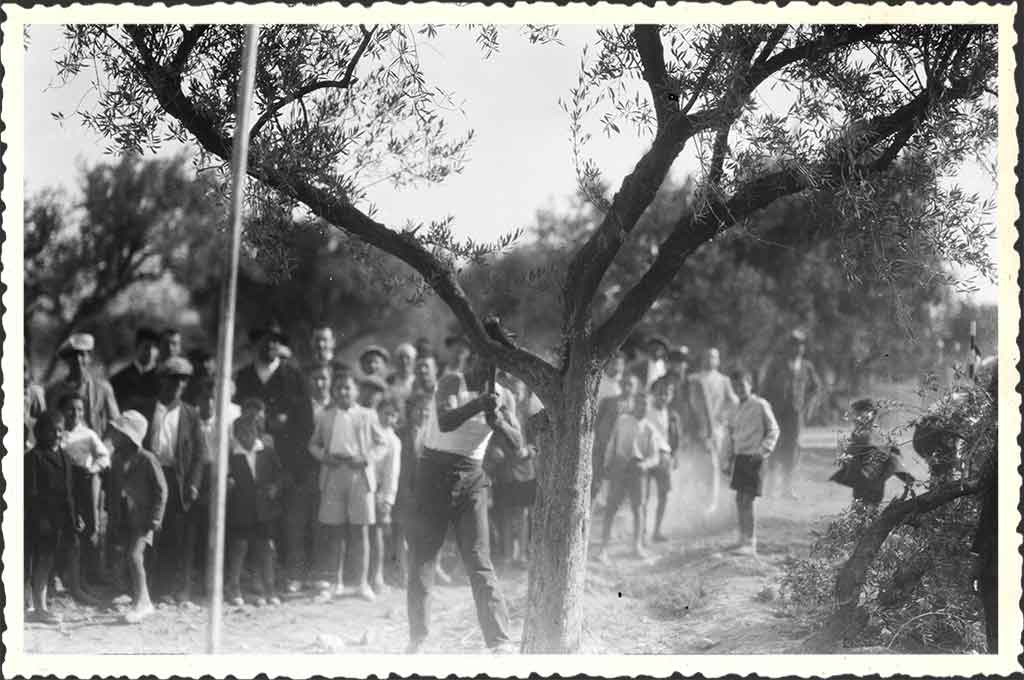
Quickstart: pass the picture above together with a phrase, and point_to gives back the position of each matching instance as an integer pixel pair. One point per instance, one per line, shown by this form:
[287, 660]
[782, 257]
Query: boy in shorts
[626, 466]
[750, 437]
[343, 441]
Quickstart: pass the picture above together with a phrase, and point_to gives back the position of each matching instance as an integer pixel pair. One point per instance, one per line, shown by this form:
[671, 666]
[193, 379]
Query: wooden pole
[226, 338]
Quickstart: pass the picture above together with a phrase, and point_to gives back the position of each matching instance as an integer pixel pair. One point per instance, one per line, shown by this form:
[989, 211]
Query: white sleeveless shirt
[471, 438]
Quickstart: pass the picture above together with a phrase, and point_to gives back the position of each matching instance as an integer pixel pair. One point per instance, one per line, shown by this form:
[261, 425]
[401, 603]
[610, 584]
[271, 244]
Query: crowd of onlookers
[321, 466]
[323, 458]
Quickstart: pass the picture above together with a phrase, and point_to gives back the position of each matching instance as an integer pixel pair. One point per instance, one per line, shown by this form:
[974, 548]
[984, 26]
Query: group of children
[646, 443]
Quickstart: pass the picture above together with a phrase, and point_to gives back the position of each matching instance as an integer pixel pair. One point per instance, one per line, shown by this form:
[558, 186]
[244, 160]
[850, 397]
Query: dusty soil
[691, 596]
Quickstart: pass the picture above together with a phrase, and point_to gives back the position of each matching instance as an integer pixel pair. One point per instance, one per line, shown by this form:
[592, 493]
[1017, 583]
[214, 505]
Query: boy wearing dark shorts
[751, 436]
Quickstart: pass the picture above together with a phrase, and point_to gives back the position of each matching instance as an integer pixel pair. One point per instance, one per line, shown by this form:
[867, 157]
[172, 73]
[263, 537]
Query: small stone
[704, 643]
[329, 643]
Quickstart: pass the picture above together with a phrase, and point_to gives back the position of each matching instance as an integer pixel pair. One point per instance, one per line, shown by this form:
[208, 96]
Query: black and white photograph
[682, 334]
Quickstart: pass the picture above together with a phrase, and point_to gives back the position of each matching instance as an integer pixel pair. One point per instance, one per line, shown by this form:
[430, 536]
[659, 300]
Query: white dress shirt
[165, 432]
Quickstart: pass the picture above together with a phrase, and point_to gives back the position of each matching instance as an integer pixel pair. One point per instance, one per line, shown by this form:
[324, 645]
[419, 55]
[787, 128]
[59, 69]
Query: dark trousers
[257, 540]
[784, 461]
[193, 554]
[301, 501]
[452, 490]
[169, 542]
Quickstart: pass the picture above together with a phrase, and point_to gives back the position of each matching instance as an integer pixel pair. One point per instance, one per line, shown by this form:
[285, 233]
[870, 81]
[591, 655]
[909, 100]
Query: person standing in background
[611, 378]
[171, 346]
[289, 420]
[137, 384]
[711, 401]
[608, 411]
[458, 353]
[323, 344]
[790, 385]
[176, 439]
[400, 383]
[35, 403]
[652, 365]
[100, 403]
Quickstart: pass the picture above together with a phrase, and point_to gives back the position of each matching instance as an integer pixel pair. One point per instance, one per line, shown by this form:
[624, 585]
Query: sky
[520, 161]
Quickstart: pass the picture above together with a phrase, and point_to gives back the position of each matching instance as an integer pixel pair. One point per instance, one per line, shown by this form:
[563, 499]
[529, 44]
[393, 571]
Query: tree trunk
[560, 528]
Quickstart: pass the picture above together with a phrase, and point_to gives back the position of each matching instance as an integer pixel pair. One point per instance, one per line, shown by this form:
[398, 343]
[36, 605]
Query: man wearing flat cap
[137, 383]
[100, 403]
[285, 392]
[790, 385]
[175, 436]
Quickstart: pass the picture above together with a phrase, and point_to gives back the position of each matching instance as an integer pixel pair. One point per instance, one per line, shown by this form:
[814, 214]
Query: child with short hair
[388, 461]
[136, 503]
[664, 431]
[750, 437]
[89, 457]
[50, 513]
[255, 480]
[626, 465]
[343, 440]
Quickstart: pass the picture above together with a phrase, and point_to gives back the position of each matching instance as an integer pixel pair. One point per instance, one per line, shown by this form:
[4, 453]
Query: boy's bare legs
[639, 527]
[137, 568]
[358, 549]
[41, 571]
[376, 562]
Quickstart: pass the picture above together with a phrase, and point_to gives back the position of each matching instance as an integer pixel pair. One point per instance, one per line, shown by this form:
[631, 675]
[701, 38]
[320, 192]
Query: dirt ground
[684, 599]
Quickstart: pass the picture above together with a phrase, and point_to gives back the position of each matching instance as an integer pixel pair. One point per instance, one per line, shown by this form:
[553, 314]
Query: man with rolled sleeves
[175, 436]
[789, 386]
[284, 390]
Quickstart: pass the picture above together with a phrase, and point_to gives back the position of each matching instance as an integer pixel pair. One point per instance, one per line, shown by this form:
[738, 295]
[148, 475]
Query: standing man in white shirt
[451, 490]
[175, 437]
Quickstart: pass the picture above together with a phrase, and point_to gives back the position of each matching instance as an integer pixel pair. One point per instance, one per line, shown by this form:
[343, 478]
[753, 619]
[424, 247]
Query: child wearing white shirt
[387, 460]
[89, 457]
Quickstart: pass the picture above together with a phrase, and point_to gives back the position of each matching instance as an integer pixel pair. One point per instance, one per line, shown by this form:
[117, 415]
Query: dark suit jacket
[788, 390]
[249, 501]
[48, 493]
[100, 403]
[286, 392]
[189, 451]
[133, 389]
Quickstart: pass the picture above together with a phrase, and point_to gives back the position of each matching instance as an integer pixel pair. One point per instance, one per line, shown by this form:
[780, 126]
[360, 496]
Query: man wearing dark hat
[137, 384]
[289, 411]
[175, 437]
[790, 385]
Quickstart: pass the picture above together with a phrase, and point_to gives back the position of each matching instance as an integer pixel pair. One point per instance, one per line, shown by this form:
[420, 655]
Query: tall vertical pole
[226, 338]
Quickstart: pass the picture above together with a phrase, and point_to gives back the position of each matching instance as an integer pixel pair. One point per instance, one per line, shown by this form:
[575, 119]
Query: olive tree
[342, 105]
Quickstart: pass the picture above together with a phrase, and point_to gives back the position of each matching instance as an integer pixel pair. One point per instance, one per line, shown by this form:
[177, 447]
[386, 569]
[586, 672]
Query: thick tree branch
[538, 374]
[190, 37]
[639, 188]
[344, 83]
[652, 57]
[696, 228]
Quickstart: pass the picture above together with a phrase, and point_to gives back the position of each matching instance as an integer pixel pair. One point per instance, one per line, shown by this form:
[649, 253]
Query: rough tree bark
[560, 530]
